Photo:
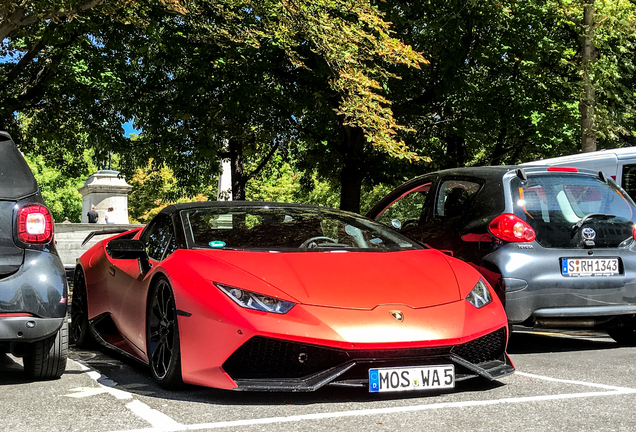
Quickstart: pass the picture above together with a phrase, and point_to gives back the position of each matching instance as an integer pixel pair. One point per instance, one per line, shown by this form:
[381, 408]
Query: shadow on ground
[135, 378]
[528, 341]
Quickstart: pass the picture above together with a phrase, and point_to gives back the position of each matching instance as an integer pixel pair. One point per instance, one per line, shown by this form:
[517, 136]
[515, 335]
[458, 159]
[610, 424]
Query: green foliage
[59, 190]
[344, 94]
[155, 187]
[280, 183]
[493, 66]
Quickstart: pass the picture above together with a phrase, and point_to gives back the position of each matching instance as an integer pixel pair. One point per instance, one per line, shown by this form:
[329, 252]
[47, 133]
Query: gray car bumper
[535, 289]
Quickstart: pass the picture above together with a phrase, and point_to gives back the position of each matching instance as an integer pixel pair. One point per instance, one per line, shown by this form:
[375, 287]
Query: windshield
[287, 229]
[557, 207]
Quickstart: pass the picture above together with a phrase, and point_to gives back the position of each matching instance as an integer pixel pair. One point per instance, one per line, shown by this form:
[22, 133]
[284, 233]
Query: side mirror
[129, 249]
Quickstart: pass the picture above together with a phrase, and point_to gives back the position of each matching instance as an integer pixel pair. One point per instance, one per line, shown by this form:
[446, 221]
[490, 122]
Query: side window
[407, 208]
[453, 198]
[159, 238]
[629, 180]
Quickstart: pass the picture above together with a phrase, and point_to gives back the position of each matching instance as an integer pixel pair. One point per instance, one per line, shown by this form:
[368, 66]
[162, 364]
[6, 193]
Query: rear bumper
[535, 289]
[39, 288]
[28, 329]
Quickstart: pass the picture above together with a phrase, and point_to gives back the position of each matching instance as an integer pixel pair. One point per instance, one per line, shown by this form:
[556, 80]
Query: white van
[619, 164]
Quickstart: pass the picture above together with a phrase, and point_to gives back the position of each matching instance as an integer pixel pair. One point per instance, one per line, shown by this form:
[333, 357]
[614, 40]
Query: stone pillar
[224, 189]
[104, 189]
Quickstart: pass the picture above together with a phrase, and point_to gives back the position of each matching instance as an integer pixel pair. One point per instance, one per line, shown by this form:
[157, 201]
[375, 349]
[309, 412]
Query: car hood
[357, 280]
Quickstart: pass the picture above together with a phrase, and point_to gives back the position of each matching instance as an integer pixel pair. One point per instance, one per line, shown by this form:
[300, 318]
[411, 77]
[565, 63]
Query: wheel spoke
[78, 308]
[162, 330]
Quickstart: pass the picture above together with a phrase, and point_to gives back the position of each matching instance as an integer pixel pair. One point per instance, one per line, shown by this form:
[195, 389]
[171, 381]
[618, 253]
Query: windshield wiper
[577, 226]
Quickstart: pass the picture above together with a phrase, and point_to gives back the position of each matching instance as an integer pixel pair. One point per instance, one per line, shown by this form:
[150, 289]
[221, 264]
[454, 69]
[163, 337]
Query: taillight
[509, 227]
[634, 232]
[35, 224]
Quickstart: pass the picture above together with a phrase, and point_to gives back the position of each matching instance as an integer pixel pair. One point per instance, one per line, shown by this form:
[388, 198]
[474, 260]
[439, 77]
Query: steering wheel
[307, 242]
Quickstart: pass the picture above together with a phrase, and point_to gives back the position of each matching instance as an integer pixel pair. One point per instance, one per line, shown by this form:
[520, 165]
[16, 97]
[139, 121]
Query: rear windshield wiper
[577, 226]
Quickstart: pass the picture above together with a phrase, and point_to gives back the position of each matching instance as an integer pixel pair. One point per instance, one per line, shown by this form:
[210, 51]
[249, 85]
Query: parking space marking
[106, 385]
[583, 383]
[611, 391]
[156, 418]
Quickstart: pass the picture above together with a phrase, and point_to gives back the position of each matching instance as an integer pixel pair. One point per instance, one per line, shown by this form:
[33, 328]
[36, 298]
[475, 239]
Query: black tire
[80, 333]
[623, 335]
[46, 358]
[164, 354]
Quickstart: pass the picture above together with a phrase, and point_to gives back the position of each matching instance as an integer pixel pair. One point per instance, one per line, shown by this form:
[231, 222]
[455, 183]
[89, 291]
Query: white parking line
[612, 391]
[105, 385]
[583, 383]
[155, 418]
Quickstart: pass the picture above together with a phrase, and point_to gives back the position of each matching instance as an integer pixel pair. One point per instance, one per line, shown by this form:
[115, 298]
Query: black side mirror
[129, 249]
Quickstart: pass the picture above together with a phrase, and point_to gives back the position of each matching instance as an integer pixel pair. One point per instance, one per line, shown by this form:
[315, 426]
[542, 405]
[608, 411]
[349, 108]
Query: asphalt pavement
[565, 381]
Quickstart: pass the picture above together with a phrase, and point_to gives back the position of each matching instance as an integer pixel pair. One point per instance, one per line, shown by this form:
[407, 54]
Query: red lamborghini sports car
[285, 297]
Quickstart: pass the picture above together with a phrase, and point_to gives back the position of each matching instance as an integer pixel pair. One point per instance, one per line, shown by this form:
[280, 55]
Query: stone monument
[105, 189]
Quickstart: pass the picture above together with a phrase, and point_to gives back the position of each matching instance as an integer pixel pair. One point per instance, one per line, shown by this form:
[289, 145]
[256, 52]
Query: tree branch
[29, 56]
[261, 165]
[19, 17]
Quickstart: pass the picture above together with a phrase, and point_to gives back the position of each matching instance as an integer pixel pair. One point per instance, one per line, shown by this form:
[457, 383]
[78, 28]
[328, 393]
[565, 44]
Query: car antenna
[522, 174]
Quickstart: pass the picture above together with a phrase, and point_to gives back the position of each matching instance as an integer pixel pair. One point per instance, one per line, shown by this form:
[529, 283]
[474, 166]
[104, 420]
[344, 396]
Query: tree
[505, 78]
[588, 98]
[21, 14]
[244, 83]
[153, 189]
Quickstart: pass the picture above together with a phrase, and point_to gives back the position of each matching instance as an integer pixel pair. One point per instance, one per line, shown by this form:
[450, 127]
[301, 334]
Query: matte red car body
[428, 287]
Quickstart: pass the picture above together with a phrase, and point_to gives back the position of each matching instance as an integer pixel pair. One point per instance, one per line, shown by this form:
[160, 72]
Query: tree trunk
[499, 152]
[237, 160]
[588, 97]
[455, 151]
[352, 170]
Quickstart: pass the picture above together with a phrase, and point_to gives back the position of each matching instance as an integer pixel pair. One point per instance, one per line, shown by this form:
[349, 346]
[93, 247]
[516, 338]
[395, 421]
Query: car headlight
[255, 301]
[480, 295]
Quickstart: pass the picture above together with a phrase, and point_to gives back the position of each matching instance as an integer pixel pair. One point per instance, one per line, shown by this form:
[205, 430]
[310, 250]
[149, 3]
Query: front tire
[46, 359]
[164, 354]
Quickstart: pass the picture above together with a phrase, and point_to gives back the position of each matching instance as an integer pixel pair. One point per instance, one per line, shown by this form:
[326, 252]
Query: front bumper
[268, 364]
[215, 329]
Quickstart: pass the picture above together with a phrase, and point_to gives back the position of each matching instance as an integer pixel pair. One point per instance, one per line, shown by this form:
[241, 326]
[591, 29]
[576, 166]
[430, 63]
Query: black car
[557, 243]
[33, 287]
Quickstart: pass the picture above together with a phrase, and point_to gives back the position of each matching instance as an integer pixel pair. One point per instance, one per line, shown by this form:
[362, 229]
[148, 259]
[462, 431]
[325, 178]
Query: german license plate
[589, 266]
[412, 378]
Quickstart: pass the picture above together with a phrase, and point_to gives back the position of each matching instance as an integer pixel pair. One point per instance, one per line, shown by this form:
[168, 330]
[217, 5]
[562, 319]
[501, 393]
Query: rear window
[16, 178]
[557, 207]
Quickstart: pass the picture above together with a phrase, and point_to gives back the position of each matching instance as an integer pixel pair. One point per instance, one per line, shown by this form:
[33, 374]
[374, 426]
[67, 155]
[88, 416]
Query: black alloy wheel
[80, 333]
[163, 336]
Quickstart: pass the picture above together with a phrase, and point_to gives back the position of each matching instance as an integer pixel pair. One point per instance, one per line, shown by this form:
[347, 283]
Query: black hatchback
[558, 244]
[33, 287]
